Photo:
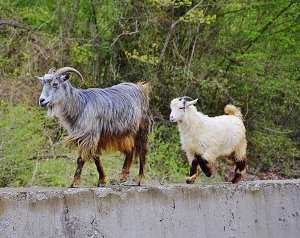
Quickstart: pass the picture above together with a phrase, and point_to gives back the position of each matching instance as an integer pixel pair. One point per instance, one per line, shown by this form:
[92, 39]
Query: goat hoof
[139, 182]
[140, 179]
[189, 180]
[123, 180]
[124, 176]
[73, 186]
[102, 182]
[229, 176]
[237, 178]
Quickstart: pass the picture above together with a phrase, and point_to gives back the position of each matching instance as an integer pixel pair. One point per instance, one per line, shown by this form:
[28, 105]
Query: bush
[165, 160]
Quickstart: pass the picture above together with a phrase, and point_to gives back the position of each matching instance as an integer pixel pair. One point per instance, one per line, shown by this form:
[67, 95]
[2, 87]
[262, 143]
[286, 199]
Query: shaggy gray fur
[89, 114]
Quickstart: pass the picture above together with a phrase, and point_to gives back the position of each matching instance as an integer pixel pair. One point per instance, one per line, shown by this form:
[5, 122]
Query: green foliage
[274, 147]
[82, 54]
[245, 53]
[168, 3]
[19, 139]
[150, 59]
[197, 16]
[165, 160]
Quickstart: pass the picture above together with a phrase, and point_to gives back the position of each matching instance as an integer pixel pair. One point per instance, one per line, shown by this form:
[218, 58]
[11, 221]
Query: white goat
[204, 138]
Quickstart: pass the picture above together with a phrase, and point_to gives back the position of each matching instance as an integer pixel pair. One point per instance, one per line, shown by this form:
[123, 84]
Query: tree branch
[172, 27]
[52, 156]
[13, 23]
[194, 46]
[125, 34]
[73, 16]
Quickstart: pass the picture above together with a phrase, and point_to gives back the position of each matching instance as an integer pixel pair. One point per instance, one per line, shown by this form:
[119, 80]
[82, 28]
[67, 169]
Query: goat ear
[191, 102]
[65, 77]
[51, 71]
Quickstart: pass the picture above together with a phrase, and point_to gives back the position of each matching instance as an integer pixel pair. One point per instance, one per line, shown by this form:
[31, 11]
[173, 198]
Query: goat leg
[102, 177]
[141, 171]
[76, 180]
[204, 165]
[126, 166]
[239, 168]
[194, 172]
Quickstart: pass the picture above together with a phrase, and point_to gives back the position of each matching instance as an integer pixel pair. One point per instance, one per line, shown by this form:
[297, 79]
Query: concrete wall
[250, 209]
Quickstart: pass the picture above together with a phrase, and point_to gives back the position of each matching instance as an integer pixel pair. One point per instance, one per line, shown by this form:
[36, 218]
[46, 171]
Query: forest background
[242, 52]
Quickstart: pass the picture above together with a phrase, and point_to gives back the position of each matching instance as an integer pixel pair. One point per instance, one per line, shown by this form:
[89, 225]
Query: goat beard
[50, 112]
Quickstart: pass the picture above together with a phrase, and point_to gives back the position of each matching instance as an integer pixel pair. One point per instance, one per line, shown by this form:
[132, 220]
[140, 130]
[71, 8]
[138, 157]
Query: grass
[32, 153]
[29, 158]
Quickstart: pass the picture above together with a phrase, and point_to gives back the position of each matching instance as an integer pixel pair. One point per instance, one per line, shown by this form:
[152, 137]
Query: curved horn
[69, 69]
[186, 98]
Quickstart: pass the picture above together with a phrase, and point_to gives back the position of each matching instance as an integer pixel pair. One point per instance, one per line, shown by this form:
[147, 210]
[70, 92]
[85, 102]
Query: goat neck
[191, 119]
[68, 111]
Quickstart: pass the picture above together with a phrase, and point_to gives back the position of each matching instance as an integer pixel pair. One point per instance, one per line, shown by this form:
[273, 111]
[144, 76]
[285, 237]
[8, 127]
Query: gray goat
[115, 118]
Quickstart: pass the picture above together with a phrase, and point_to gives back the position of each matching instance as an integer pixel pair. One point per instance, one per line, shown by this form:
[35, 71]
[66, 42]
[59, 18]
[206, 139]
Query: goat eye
[55, 85]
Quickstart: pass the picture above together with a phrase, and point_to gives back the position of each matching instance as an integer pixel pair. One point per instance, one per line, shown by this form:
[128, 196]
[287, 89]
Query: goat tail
[233, 110]
[146, 87]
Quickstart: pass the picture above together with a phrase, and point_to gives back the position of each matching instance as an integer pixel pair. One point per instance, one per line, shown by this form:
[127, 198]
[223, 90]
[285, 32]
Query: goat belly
[122, 143]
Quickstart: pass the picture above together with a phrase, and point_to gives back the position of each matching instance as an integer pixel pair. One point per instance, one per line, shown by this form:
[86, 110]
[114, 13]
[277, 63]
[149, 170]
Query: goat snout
[43, 102]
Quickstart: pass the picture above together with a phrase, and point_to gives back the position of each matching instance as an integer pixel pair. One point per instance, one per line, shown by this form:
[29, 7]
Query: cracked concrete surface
[249, 209]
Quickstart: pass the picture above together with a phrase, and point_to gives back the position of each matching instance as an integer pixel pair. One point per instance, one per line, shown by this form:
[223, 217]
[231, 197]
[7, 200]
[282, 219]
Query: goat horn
[69, 69]
[185, 98]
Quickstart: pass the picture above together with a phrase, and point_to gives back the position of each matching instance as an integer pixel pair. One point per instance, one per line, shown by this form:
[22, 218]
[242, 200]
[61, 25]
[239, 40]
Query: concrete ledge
[250, 209]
